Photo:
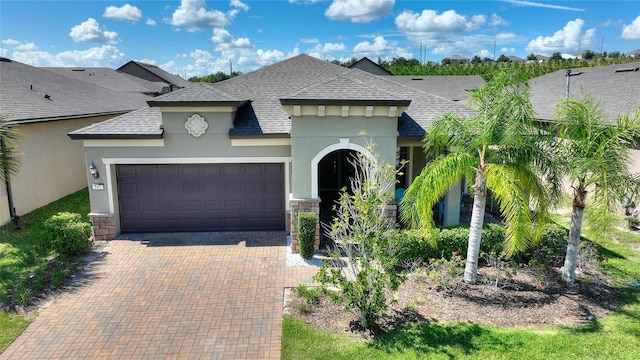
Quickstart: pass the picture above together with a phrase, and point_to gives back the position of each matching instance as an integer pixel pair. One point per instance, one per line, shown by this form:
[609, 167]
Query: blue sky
[198, 37]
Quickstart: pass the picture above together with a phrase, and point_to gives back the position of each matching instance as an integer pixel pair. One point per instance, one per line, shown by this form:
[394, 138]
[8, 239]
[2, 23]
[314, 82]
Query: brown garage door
[201, 197]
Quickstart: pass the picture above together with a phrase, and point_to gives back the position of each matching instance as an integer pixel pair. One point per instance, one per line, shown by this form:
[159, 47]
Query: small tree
[556, 56]
[363, 259]
[596, 159]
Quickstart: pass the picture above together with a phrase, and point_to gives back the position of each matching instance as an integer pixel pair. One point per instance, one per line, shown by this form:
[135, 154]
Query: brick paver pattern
[168, 296]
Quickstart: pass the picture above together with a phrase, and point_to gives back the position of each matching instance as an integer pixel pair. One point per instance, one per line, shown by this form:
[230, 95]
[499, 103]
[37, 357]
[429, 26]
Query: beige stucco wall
[52, 166]
[310, 135]
[178, 146]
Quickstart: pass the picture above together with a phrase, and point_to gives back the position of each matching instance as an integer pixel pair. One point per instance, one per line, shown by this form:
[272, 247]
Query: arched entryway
[334, 172]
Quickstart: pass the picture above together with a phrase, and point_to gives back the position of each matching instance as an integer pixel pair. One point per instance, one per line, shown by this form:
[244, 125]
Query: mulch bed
[531, 298]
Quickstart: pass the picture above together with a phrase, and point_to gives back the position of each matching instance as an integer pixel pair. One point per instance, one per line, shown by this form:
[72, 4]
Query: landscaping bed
[531, 298]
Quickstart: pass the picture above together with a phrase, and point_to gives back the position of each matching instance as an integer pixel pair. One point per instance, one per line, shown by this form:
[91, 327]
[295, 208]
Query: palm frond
[416, 206]
[507, 185]
[9, 138]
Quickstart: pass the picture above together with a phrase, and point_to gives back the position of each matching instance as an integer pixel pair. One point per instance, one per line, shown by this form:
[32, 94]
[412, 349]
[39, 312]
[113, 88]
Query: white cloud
[506, 36]
[537, 4]
[239, 5]
[359, 11]
[380, 47]
[568, 39]
[632, 31]
[429, 21]
[126, 12]
[11, 42]
[496, 20]
[304, 1]
[96, 56]
[506, 50]
[309, 40]
[26, 47]
[225, 41]
[151, 22]
[90, 31]
[325, 51]
[4, 52]
[196, 16]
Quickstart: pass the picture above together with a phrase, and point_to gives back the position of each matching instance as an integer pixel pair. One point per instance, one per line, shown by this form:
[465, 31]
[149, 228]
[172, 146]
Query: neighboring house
[634, 54]
[457, 59]
[45, 106]
[365, 64]
[250, 152]
[614, 86]
[153, 74]
[581, 55]
[514, 58]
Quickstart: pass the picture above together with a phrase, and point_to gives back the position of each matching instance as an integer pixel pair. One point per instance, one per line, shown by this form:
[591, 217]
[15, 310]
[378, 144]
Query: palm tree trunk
[577, 213]
[475, 229]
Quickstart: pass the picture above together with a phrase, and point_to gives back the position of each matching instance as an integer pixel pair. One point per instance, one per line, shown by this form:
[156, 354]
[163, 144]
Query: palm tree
[9, 161]
[596, 154]
[498, 147]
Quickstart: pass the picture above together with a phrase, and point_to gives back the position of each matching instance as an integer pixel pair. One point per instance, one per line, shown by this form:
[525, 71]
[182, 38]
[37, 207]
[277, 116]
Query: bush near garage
[71, 236]
[306, 234]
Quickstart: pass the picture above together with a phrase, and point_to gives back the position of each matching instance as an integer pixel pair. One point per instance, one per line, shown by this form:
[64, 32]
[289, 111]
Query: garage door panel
[201, 197]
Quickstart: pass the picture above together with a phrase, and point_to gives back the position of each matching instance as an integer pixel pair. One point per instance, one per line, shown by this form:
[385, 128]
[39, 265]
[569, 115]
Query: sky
[201, 37]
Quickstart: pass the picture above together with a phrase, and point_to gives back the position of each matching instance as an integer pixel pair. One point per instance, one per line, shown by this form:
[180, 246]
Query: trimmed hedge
[307, 234]
[414, 247]
[71, 236]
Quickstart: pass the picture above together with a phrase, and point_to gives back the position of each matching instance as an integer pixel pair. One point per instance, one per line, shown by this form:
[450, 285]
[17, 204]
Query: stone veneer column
[303, 205]
[104, 226]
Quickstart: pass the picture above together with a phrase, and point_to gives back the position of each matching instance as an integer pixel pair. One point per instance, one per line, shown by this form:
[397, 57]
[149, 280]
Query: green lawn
[617, 336]
[25, 266]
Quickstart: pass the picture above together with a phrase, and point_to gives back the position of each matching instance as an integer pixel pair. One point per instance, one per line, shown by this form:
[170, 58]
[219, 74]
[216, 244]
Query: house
[634, 54]
[45, 106]
[615, 87]
[586, 53]
[250, 152]
[513, 58]
[456, 59]
[154, 74]
[369, 66]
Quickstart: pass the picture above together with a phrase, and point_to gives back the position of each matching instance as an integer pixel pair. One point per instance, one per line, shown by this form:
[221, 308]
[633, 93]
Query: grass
[617, 336]
[25, 260]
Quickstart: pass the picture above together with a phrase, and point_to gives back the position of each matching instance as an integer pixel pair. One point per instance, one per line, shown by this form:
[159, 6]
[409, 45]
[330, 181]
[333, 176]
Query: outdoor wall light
[93, 170]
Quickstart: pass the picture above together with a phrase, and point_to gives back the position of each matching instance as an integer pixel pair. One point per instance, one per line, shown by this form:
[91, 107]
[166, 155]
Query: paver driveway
[168, 296]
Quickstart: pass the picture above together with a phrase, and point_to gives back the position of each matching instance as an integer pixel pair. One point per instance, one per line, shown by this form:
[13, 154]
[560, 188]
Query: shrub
[413, 247]
[363, 263]
[71, 237]
[306, 234]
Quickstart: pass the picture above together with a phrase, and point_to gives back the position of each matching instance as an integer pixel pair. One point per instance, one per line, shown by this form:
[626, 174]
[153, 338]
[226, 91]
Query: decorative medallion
[196, 125]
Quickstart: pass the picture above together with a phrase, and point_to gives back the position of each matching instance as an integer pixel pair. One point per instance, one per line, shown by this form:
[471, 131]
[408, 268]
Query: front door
[334, 173]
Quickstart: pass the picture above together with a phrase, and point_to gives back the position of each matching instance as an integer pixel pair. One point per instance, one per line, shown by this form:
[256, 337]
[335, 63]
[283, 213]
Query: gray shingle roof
[449, 87]
[143, 123]
[617, 92]
[101, 76]
[302, 78]
[153, 87]
[157, 71]
[31, 94]
[197, 94]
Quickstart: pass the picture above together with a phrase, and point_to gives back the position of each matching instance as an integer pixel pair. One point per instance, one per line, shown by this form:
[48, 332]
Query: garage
[201, 197]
